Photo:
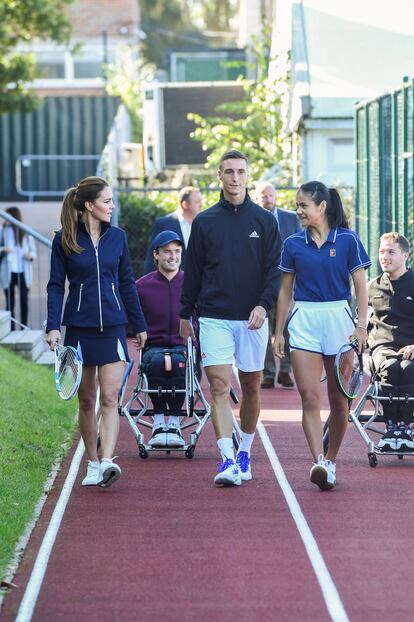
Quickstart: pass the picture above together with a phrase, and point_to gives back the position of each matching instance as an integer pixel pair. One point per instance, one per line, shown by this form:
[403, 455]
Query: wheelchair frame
[198, 410]
[364, 422]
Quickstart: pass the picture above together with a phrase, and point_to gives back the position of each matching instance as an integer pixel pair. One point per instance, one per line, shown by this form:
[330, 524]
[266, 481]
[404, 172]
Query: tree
[167, 24]
[20, 22]
[217, 14]
[254, 125]
[126, 81]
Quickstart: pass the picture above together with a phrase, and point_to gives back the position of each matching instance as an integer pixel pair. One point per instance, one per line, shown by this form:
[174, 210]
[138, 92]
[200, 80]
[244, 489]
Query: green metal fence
[385, 177]
[59, 126]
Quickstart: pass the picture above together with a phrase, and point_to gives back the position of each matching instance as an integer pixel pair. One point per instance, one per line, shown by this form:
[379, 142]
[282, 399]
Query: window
[87, 69]
[341, 154]
[50, 65]
[51, 70]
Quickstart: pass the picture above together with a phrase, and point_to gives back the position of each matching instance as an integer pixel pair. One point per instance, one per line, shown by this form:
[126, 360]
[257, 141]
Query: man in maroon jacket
[160, 293]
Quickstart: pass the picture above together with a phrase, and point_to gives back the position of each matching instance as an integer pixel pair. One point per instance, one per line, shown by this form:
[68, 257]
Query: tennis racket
[68, 371]
[349, 370]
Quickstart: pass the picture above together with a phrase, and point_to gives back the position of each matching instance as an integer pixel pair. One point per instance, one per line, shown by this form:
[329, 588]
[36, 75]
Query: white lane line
[28, 602]
[330, 593]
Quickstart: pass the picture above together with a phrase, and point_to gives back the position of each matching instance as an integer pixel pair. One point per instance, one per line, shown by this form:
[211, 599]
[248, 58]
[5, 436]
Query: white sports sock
[246, 441]
[225, 446]
[173, 420]
[158, 420]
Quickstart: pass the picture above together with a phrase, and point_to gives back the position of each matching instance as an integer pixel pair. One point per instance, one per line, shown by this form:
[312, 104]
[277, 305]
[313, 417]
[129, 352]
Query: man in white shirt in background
[190, 202]
[289, 224]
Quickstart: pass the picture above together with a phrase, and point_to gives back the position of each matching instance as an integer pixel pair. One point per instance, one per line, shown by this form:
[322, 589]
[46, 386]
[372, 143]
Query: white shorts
[224, 341]
[321, 327]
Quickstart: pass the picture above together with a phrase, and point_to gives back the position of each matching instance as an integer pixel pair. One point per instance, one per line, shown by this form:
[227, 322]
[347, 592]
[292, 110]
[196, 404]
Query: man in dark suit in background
[190, 202]
[288, 225]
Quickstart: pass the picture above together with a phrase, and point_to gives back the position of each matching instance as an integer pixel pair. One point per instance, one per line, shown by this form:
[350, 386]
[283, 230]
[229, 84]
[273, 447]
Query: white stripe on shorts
[320, 327]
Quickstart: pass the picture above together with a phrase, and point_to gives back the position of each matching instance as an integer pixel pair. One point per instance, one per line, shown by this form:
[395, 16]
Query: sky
[396, 16]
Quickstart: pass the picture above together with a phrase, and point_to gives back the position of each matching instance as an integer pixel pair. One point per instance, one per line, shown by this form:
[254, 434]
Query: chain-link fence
[385, 166]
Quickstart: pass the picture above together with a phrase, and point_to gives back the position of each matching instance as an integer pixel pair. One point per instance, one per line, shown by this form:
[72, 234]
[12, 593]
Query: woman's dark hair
[335, 212]
[18, 233]
[73, 206]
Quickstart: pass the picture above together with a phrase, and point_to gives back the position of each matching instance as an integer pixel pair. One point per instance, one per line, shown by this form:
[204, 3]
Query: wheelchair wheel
[143, 453]
[189, 379]
[189, 452]
[372, 459]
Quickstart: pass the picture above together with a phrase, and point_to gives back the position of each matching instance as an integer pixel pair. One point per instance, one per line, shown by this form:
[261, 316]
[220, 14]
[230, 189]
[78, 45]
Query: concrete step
[5, 323]
[26, 343]
[46, 358]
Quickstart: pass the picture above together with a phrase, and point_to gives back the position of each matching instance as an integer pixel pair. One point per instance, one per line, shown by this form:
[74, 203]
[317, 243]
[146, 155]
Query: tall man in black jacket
[391, 337]
[232, 278]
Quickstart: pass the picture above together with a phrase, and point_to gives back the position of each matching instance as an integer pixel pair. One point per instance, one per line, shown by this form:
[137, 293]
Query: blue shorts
[320, 327]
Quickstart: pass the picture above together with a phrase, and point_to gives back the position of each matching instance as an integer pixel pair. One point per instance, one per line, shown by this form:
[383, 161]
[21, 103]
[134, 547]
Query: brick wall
[91, 17]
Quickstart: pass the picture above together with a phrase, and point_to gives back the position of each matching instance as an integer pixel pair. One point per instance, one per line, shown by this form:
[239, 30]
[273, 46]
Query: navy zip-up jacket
[232, 261]
[101, 284]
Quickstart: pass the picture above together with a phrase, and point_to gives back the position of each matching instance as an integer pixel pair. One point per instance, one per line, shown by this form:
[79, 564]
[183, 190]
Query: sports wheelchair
[374, 395]
[136, 408]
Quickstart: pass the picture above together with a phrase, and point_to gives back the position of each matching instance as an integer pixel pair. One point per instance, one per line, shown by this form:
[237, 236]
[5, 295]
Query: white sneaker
[159, 437]
[110, 472]
[174, 437]
[93, 474]
[229, 474]
[323, 473]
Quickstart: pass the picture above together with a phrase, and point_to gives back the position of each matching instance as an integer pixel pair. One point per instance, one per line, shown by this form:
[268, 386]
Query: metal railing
[62, 178]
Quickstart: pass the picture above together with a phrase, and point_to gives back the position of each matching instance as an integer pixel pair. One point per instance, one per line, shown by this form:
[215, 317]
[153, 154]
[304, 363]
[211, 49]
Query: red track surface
[163, 543]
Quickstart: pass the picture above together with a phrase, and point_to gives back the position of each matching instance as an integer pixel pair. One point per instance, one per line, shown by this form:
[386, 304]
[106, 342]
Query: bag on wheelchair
[164, 367]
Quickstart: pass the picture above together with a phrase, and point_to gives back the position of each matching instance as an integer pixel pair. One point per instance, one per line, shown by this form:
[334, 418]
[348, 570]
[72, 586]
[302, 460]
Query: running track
[164, 544]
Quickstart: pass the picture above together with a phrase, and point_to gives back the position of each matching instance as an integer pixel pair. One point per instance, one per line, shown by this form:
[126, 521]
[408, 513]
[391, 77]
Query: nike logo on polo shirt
[254, 234]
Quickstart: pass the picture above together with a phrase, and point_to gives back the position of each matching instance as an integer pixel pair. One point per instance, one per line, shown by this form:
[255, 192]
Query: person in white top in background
[17, 252]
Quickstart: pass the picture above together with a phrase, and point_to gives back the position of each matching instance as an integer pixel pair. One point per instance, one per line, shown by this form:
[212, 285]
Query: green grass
[34, 423]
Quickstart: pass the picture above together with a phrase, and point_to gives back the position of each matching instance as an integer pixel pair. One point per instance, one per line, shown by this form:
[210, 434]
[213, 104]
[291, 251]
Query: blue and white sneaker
[243, 462]
[228, 474]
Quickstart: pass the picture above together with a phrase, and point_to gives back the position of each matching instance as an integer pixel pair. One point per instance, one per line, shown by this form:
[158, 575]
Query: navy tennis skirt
[99, 347]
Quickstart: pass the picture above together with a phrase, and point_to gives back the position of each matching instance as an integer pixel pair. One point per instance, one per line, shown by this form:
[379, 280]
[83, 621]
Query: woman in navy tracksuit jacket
[93, 257]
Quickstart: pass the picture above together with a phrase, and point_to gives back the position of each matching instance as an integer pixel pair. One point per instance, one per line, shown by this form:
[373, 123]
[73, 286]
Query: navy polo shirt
[323, 274]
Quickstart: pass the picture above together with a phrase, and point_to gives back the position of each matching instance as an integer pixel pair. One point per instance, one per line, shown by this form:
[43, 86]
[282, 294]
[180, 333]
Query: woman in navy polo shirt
[93, 257]
[319, 263]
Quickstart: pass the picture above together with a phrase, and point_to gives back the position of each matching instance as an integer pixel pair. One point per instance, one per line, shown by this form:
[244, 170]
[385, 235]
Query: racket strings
[68, 372]
[350, 375]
